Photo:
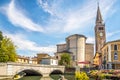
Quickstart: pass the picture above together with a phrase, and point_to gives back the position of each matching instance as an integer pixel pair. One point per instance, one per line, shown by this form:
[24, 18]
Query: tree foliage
[7, 50]
[65, 59]
[3, 58]
[1, 36]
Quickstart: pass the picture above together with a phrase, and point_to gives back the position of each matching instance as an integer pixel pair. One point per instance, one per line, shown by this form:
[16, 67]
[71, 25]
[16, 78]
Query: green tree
[65, 59]
[3, 58]
[1, 36]
[7, 50]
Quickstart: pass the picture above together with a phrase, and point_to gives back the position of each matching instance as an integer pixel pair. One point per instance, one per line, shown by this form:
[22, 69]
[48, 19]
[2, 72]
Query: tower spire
[99, 16]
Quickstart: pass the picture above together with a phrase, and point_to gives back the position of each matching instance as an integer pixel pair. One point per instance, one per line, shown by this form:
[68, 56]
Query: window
[115, 56]
[56, 57]
[100, 28]
[107, 49]
[73, 57]
[115, 47]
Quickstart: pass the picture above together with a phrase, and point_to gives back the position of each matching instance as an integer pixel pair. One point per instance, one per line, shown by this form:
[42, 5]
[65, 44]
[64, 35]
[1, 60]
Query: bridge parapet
[10, 69]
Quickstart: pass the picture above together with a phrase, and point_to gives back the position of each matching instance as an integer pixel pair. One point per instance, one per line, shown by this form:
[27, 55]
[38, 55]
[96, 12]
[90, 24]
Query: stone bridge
[11, 69]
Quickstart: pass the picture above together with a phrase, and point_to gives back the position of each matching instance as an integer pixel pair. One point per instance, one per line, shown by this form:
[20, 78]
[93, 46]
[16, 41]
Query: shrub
[102, 76]
[81, 76]
[94, 73]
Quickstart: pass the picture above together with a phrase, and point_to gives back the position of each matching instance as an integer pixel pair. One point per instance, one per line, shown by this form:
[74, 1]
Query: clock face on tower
[101, 34]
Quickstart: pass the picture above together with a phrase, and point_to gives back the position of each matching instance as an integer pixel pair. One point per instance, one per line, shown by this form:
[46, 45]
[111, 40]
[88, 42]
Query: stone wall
[89, 52]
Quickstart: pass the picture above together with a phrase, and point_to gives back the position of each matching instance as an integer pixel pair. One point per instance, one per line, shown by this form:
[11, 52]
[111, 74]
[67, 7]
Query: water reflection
[37, 78]
[51, 77]
[46, 78]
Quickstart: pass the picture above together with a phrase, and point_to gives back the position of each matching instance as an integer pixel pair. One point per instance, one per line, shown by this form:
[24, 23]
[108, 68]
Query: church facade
[80, 51]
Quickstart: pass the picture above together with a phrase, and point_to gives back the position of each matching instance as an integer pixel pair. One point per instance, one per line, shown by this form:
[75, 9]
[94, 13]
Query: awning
[84, 62]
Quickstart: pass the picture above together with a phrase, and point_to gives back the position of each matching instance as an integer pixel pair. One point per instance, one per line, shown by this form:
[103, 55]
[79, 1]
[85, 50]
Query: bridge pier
[45, 75]
[46, 78]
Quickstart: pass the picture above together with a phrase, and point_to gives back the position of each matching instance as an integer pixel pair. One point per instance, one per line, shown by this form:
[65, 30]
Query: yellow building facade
[33, 60]
[26, 60]
[22, 59]
[97, 60]
[111, 55]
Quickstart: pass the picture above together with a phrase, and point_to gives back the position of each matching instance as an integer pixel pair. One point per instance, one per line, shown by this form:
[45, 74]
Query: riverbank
[3, 78]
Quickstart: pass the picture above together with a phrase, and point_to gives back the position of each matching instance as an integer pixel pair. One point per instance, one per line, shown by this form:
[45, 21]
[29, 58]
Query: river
[52, 77]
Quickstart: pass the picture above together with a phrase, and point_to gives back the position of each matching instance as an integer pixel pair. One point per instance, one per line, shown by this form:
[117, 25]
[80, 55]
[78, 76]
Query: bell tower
[100, 36]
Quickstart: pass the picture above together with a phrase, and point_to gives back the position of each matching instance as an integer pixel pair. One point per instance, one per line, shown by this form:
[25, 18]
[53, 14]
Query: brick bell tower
[100, 36]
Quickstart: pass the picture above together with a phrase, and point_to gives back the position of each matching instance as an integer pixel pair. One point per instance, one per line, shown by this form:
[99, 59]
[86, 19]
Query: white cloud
[90, 40]
[17, 18]
[87, 13]
[27, 45]
[74, 18]
[45, 6]
[51, 6]
[70, 19]
[109, 34]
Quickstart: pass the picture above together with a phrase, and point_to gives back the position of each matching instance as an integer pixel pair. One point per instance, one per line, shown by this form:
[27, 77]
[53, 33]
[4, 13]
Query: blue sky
[36, 26]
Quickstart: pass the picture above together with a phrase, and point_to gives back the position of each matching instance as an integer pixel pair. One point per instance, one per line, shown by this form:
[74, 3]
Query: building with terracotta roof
[40, 56]
[22, 59]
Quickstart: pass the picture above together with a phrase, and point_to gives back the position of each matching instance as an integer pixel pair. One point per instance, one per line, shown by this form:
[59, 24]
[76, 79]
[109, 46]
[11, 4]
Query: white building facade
[49, 61]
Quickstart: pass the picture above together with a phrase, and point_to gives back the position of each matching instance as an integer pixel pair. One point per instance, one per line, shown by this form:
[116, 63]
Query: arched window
[115, 56]
[56, 57]
[115, 47]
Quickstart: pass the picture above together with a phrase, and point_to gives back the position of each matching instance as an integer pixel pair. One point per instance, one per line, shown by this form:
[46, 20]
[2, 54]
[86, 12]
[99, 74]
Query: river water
[52, 77]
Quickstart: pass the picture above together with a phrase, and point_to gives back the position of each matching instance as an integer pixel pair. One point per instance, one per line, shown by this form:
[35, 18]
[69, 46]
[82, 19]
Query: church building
[100, 38]
[81, 52]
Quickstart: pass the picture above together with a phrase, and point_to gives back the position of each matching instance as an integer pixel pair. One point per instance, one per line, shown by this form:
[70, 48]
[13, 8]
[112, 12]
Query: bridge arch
[29, 72]
[56, 71]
